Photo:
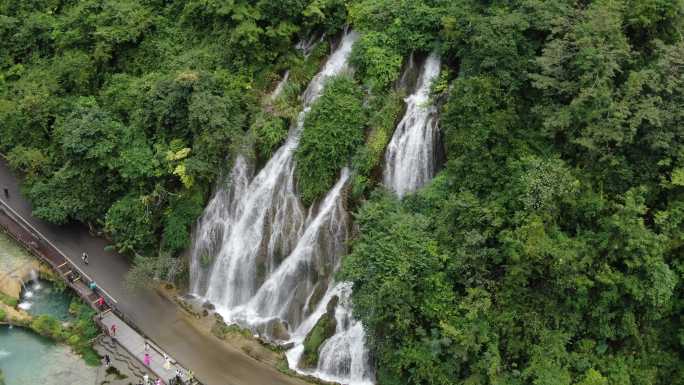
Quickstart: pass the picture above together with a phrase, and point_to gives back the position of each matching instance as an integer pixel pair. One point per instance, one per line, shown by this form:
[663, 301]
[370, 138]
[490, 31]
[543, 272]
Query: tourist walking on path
[147, 346]
[84, 257]
[146, 378]
[100, 302]
[6, 193]
[146, 359]
[113, 330]
[167, 362]
[107, 360]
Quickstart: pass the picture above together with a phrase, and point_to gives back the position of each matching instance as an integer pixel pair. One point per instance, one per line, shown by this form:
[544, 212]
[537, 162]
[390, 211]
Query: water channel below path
[25, 357]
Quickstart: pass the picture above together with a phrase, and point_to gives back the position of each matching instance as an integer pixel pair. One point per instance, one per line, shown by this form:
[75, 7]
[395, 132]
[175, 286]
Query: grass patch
[7, 300]
[221, 330]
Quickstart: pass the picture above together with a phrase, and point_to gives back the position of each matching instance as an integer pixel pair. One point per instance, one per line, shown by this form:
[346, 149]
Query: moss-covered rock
[324, 329]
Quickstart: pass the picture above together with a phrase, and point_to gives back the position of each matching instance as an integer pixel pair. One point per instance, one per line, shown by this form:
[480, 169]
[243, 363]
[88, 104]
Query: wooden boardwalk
[127, 335]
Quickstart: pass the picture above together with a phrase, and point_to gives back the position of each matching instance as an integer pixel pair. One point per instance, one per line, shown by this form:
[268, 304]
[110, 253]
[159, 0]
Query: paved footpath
[135, 345]
[160, 319]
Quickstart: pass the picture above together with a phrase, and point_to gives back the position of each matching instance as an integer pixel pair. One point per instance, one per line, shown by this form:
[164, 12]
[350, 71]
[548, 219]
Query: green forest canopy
[548, 250]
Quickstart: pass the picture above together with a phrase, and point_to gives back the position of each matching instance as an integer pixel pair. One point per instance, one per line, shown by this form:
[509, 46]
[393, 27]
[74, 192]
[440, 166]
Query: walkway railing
[27, 235]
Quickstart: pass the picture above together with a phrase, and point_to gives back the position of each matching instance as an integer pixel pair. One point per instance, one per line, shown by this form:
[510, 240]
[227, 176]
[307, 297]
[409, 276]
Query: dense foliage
[548, 250]
[333, 128]
[121, 113]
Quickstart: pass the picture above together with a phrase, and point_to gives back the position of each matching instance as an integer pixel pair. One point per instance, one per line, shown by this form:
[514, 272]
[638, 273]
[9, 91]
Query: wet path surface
[160, 319]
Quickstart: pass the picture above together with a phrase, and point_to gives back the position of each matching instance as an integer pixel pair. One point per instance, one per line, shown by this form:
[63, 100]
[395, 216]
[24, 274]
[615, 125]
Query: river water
[29, 359]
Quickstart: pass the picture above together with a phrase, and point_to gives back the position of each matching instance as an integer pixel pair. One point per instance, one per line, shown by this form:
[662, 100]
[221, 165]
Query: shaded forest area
[547, 251]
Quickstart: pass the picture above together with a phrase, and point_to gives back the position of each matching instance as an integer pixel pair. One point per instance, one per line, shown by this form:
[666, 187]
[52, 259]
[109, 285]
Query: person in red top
[100, 302]
[113, 329]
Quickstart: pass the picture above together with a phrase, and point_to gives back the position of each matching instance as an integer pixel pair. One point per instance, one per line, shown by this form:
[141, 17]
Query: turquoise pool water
[29, 359]
[43, 297]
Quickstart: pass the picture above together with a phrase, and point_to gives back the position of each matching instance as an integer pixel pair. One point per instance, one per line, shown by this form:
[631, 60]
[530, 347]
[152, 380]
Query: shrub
[377, 64]
[332, 131]
[270, 131]
[324, 329]
[382, 121]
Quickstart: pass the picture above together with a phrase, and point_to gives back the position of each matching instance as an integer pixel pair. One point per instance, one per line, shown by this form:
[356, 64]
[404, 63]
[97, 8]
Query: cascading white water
[344, 357]
[310, 265]
[273, 262]
[262, 225]
[410, 159]
[216, 222]
[279, 87]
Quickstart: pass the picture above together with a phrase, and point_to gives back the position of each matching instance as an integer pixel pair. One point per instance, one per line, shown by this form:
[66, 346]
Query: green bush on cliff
[3, 314]
[270, 131]
[385, 111]
[324, 329]
[377, 63]
[333, 129]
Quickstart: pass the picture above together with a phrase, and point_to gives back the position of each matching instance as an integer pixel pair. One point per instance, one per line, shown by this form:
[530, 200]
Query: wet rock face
[276, 329]
[324, 329]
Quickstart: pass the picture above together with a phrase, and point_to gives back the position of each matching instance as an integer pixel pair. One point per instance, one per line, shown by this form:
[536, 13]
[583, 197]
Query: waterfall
[216, 222]
[268, 263]
[344, 357]
[410, 159]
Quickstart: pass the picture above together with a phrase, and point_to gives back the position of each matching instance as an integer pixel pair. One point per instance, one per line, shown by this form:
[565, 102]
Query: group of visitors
[176, 380]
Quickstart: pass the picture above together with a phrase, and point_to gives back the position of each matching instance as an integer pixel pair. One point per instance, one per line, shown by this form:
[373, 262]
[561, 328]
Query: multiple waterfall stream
[266, 262]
